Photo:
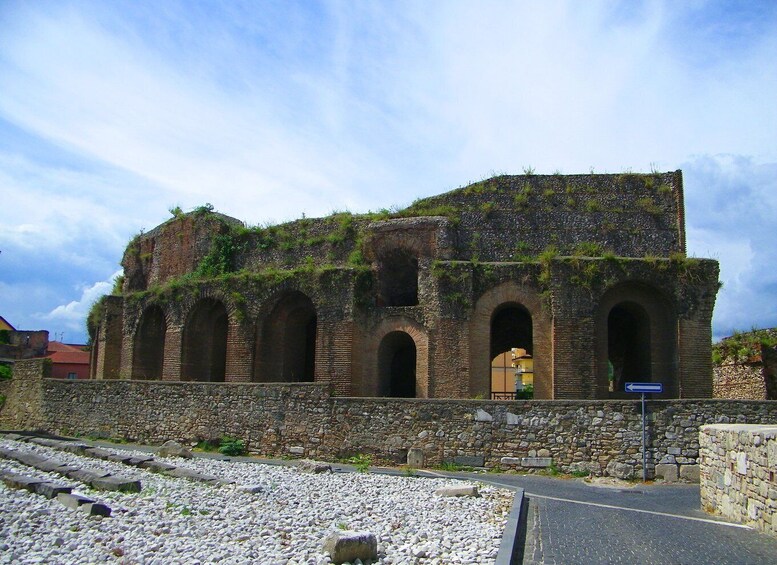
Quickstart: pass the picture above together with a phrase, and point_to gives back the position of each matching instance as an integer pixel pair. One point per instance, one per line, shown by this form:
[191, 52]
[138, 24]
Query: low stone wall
[744, 381]
[305, 420]
[739, 473]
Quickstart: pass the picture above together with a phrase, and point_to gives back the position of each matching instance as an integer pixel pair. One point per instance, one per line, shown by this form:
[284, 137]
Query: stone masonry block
[117, 484]
[52, 490]
[470, 460]
[667, 471]
[348, 546]
[689, 473]
[536, 461]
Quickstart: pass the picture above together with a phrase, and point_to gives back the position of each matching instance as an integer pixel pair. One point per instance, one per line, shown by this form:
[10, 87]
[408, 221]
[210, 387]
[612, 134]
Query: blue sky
[113, 112]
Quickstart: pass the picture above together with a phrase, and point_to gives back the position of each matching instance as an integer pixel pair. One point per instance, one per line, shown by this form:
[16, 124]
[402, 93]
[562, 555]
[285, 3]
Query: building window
[72, 376]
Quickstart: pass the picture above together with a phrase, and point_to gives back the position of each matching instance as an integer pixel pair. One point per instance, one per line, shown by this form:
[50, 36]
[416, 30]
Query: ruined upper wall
[506, 218]
[511, 217]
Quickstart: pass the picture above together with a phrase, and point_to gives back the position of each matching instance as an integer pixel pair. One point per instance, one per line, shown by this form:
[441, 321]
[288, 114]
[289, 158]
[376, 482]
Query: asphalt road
[572, 522]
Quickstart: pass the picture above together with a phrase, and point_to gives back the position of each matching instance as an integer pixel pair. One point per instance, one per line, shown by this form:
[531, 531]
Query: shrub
[232, 446]
[5, 372]
[361, 462]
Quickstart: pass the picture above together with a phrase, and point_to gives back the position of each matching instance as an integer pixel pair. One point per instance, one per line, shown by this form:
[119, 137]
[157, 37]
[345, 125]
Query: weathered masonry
[586, 273]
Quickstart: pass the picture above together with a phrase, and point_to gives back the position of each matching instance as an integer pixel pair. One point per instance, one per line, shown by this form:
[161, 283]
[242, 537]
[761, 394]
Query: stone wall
[743, 381]
[304, 419]
[739, 473]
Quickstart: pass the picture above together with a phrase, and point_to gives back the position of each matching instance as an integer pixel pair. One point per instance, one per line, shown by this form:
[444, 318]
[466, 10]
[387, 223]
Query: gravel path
[179, 521]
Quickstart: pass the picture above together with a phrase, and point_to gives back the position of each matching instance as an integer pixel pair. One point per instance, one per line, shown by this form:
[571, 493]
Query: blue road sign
[644, 387]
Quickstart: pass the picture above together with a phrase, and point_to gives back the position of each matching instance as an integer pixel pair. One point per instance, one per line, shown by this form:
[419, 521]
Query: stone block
[116, 484]
[21, 482]
[156, 466]
[513, 461]
[50, 465]
[483, 416]
[46, 442]
[74, 447]
[456, 491]
[172, 448]
[536, 462]
[297, 450]
[97, 453]
[52, 490]
[137, 461]
[184, 473]
[620, 470]
[667, 471]
[86, 476]
[469, 460]
[119, 458]
[689, 473]
[95, 509]
[31, 459]
[348, 546]
[315, 467]
[73, 500]
[415, 457]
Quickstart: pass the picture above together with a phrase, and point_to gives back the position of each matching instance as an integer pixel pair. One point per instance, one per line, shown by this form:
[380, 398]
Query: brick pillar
[450, 353]
[240, 353]
[334, 343]
[573, 359]
[109, 339]
[171, 365]
[695, 354]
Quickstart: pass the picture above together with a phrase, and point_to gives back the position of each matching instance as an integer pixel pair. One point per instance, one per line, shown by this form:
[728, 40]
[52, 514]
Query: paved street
[571, 522]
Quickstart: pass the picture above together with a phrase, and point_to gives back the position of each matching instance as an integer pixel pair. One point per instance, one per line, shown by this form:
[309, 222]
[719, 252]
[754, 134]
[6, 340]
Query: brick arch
[148, 344]
[372, 385]
[488, 305]
[204, 341]
[651, 315]
[190, 301]
[286, 339]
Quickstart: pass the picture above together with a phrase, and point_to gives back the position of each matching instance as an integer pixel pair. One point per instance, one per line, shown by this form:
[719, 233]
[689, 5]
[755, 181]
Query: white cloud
[73, 314]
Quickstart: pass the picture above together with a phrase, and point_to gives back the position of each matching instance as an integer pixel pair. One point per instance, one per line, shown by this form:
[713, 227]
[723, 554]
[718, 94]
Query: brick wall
[739, 474]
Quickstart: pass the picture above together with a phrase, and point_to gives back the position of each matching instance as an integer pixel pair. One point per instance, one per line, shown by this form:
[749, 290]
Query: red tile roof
[70, 357]
[59, 346]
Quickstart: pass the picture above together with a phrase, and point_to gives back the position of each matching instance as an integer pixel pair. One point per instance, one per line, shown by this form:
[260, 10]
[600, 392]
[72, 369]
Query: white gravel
[180, 521]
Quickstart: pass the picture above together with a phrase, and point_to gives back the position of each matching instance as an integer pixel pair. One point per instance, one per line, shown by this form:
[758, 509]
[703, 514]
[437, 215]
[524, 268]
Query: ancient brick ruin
[587, 273]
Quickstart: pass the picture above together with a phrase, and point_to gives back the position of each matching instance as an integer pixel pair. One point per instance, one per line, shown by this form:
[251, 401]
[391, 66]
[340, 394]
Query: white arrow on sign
[644, 387]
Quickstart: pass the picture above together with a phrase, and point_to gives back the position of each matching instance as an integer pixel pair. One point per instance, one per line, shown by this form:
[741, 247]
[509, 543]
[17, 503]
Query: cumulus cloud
[73, 314]
[731, 213]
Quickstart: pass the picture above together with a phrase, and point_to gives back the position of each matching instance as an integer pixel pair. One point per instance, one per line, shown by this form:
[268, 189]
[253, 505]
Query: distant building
[69, 361]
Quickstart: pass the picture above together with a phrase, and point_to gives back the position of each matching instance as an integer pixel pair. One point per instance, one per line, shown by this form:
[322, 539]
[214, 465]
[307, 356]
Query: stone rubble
[271, 514]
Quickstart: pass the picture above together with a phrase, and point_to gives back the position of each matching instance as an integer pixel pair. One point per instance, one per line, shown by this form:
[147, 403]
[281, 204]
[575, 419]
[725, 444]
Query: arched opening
[511, 350]
[204, 348]
[287, 342]
[397, 278]
[149, 347]
[628, 345]
[397, 366]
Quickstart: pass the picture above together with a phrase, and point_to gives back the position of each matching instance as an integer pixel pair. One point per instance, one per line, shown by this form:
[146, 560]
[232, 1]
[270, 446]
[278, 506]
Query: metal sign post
[642, 389]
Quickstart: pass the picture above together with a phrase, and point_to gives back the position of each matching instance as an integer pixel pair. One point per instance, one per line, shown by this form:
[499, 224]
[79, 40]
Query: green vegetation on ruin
[743, 347]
